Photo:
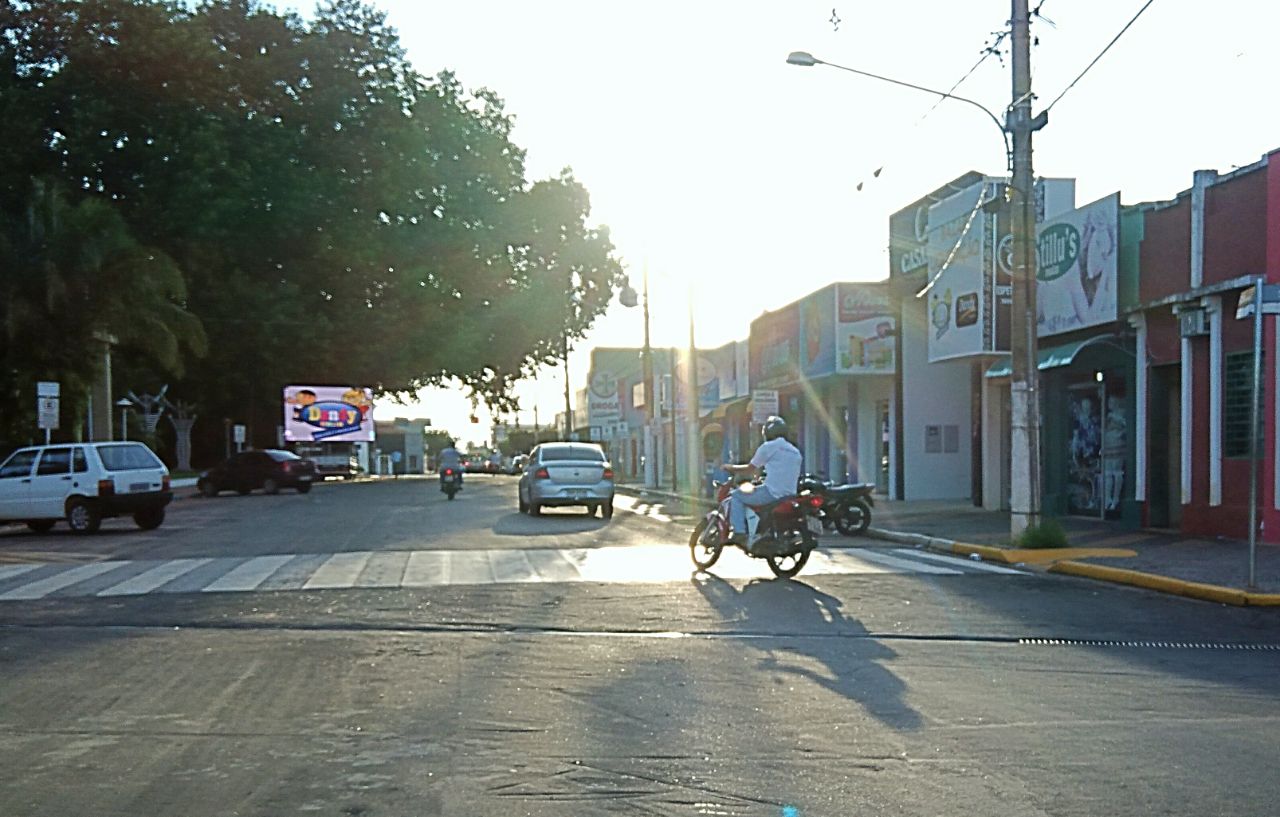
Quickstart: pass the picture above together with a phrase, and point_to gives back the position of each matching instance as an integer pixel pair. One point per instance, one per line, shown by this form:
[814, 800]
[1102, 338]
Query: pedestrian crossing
[434, 568]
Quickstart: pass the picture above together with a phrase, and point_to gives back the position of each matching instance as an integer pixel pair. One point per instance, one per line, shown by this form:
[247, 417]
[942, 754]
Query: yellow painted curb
[1166, 584]
[1039, 555]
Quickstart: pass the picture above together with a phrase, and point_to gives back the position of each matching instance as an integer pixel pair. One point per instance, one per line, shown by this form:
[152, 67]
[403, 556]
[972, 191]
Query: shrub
[1048, 534]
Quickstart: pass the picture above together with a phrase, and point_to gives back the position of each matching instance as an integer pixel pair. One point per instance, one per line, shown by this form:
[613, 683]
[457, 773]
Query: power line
[1100, 55]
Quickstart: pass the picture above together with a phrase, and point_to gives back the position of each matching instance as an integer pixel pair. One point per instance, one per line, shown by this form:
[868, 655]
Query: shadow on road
[815, 641]
[556, 523]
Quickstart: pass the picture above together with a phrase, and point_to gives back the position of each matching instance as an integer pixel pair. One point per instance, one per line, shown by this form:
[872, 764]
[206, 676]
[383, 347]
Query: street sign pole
[1255, 420]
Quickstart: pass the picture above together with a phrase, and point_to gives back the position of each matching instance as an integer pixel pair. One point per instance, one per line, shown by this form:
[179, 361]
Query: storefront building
[1199, 254]
[829, 358]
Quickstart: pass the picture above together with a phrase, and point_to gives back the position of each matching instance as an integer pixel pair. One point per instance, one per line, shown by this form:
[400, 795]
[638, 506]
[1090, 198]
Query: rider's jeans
[740, 500]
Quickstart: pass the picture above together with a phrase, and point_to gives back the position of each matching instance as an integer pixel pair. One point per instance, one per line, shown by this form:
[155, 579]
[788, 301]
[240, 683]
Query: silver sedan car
[560, 474]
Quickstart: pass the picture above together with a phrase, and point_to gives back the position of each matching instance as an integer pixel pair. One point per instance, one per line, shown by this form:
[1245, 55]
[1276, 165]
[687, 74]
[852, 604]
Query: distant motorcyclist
[780, 463]
[450, 458]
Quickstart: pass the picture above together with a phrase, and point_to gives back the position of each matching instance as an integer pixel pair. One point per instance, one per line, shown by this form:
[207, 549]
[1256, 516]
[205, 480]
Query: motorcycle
[450, 481]
[847, 508]
[783, 533]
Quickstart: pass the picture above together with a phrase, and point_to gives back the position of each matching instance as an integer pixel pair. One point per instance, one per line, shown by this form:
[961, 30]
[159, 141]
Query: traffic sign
[237, 432]
[47, 411]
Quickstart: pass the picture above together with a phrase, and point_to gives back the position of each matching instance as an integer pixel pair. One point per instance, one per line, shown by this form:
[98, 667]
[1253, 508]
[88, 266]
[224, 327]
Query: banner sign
[960, 300]
[1078, 274]
[865, 328]
[764, 404]
[333, 413]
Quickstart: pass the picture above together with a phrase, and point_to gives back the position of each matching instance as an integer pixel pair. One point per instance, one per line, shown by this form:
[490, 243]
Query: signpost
[47, 396]
[1254, 302]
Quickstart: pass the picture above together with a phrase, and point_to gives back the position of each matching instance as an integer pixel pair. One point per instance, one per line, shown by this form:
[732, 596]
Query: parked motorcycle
[784, 533]
[847, 508]
[450, 481]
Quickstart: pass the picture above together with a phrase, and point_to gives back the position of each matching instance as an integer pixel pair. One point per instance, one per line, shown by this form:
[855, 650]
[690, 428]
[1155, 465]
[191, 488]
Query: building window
[1237, 399]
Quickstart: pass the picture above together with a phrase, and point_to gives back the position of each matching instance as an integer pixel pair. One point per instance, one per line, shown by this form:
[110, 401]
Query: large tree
[338, 216]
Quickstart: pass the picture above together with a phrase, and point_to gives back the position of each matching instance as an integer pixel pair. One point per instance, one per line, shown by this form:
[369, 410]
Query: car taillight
[164, 482]
[608, 473]
[286, 467]
[106, 487]
[815, 501]
[448, 472]
[542, 473]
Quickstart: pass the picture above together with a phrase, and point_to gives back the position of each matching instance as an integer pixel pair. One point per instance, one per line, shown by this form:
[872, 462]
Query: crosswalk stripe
[903, 564]
[9, 571]
[426, 568]
[66, 578]
[410, 569]
[248, 575]
[970, 564]
[161, 574]
[340, 570]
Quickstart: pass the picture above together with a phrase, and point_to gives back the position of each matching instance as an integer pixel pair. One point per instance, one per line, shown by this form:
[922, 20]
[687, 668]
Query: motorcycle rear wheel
[855, 518]
[787, 565]
[704, 554]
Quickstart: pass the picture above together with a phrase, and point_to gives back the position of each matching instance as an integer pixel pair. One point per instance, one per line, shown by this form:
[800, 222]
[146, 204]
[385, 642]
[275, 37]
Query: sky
[744, 183]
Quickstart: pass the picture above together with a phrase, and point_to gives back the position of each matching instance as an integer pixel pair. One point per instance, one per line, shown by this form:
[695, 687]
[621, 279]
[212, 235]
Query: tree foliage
[335, 216]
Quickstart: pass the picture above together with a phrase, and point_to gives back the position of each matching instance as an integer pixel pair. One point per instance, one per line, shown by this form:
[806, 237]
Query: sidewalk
[1210, 569]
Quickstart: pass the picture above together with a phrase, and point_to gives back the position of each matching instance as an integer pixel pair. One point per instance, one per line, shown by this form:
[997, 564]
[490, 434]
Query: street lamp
[1024, 387]
[124, 404]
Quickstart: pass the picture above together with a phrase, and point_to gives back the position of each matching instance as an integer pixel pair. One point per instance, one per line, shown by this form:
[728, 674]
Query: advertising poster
[774, 348]
[864, 330]
[331, 413]
[1084, 474]
[817, 333]
[604, 406]
[1079, 255]
[960, 297]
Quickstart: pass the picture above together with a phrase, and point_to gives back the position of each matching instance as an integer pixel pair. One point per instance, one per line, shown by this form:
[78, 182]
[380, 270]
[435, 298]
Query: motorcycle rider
[450, 458]
[780, 463]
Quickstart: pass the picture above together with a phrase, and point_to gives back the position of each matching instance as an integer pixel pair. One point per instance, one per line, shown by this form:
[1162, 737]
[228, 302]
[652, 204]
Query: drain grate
[1156, 645]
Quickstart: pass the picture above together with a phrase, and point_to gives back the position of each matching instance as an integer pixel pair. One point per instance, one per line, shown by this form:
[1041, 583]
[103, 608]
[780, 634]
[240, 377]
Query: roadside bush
[1048, 534]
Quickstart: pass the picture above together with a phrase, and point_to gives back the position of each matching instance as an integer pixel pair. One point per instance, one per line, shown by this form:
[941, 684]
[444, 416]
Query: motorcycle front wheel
[704, 553]
[855, 518]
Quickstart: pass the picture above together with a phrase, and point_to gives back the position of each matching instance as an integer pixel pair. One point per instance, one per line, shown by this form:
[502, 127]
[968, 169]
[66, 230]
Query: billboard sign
[1078, 255]
[604, 405]
[329, 413]
[774, 347]
[865, 328]
[817, 333]
[961, 293]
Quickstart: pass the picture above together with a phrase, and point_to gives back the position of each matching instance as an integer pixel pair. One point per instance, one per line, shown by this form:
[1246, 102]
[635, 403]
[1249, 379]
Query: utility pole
[1024, 391]
[568, 407]
[650, 395]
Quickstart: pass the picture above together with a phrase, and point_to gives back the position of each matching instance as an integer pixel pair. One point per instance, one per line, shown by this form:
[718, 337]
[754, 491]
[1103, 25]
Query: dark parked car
[269, 469]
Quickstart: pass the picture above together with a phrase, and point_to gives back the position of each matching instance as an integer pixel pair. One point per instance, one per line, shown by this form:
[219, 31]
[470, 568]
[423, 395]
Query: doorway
[1164, 483]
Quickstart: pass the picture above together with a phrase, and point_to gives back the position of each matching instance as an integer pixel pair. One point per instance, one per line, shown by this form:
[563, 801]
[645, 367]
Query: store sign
[961, 258]
[333, 413]
[817, 333]
[764, 404]
[1079, 258]
[604, 405]
[774, 347]
[865, 328]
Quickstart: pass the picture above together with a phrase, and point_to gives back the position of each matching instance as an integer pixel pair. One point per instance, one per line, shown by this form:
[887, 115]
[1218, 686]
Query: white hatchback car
[83, 483]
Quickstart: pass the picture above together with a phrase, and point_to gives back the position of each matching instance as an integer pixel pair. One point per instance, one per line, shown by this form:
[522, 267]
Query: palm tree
[71, 272]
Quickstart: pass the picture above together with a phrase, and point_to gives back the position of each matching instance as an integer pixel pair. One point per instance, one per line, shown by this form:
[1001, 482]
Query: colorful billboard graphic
[960, 296]
[864, 333]
[1079, 254]
[817, 333]
[774, 352]
[332, 413]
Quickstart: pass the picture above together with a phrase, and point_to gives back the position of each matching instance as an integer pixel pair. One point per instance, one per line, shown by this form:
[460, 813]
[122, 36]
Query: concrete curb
[1115, 575]
[1167, 584]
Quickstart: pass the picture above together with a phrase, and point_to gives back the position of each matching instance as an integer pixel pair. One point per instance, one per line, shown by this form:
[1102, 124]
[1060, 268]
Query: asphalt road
[374, 650]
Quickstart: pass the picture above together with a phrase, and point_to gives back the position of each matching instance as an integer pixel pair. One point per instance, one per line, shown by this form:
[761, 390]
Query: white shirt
[781, 461]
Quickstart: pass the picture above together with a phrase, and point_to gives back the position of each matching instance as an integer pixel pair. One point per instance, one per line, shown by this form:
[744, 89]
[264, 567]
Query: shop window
[1237, 400]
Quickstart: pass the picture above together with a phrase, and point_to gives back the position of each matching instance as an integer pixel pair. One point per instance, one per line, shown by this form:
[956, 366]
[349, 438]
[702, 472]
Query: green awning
[1048, 357]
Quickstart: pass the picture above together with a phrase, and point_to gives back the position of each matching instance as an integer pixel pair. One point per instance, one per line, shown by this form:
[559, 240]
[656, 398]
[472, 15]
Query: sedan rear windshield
[127, 457]
[281, 456]
[572, 452]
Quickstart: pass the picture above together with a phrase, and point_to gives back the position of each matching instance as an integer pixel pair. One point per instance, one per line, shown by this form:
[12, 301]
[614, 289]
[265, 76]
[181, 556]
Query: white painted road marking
[427, 568]
[157, 576]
